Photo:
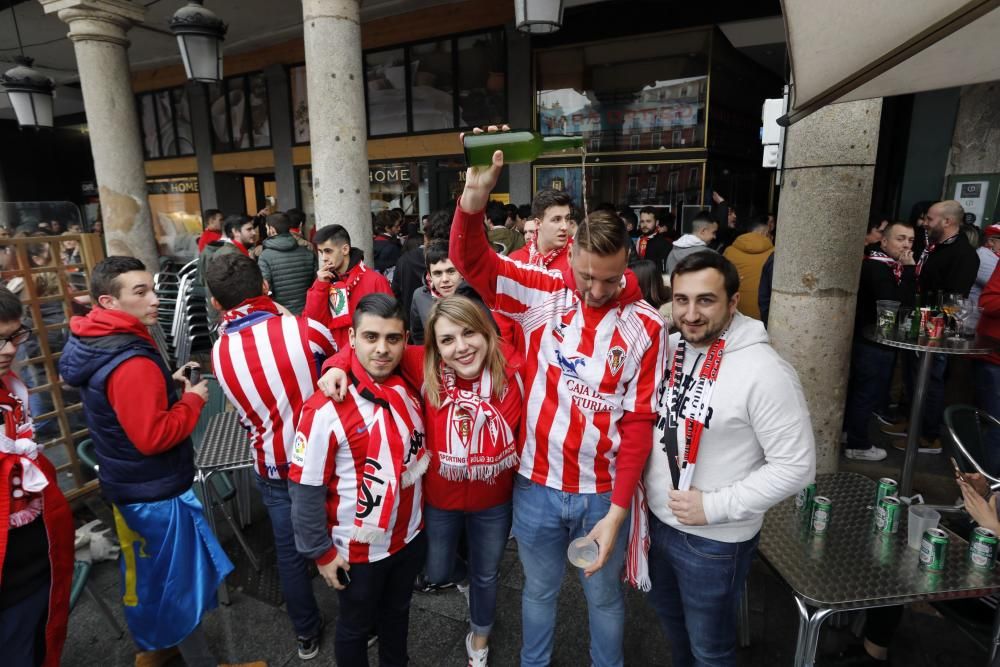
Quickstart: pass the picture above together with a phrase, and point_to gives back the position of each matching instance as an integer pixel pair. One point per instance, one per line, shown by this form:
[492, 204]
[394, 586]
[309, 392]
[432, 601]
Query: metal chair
[81, 584]
[966, 425]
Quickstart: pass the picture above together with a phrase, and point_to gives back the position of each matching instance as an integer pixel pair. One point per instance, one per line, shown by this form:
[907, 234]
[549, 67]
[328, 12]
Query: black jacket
[409, 277]
[386, 250]
[951, 267]
[877, 284]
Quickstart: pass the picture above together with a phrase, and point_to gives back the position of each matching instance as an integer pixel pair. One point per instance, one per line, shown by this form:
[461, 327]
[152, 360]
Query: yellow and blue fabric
[171, 565]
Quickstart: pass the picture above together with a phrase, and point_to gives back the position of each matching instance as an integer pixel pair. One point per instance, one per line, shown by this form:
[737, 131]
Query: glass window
[165, 118]
[300, 105]
[385, 76]
[238, 108]
[218, 111]
[635, 88]
[627, 184]
[482, 81]
[150, 137]
[432, 87]
[175, 206]
[238, 113]
[182, 119]
[260, 127]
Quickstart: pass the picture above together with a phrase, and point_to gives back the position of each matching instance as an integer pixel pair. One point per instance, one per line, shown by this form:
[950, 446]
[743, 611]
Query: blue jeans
[22, 630]
[293, 571]
[545, 522]
[487, 532]
[871, 377]
[696, 585]
[988, 398]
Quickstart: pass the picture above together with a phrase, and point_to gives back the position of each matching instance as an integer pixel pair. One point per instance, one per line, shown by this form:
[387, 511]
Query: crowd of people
[518, 371]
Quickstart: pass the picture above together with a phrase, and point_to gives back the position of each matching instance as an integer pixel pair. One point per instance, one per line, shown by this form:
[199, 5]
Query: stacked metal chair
[183, 319]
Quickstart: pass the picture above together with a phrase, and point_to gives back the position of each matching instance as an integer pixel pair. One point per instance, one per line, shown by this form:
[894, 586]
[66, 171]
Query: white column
[338, 135]
[97, 29]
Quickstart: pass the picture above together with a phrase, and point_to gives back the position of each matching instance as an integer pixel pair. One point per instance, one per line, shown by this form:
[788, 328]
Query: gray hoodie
[757, 448]
[686, 245]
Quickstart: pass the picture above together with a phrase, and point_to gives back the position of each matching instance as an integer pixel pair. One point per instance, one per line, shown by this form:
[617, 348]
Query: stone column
[97, 29]
[335, 84]
[825, 198]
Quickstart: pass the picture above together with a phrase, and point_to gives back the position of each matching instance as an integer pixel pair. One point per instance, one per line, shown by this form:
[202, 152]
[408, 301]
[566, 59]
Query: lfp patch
[299, 449]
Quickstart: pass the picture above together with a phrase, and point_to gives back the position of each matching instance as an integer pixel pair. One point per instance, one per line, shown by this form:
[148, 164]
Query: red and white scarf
[897, 268]
[340, 296]
[396, 456]
[480, 443]
[930, 248]
[643, 242]
[257, 304]
[537, 258]
[17, 440]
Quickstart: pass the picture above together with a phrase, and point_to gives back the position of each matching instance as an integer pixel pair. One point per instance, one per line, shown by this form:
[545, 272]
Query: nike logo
[361, 429]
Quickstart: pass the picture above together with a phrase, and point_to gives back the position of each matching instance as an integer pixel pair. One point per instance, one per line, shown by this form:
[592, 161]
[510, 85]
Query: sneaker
[924, 446]
[476, 658]
[870, 454]
[897, 430]
[309, 646]
[421, 585]
[884, 419]
[372, 639]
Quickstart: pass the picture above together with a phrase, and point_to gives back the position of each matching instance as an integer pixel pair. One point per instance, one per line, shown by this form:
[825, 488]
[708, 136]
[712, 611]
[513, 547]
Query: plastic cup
[921, 518]
[886, 317]
[582, 552]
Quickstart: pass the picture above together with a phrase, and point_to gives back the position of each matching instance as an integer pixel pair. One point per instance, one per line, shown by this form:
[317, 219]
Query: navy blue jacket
[127, 475]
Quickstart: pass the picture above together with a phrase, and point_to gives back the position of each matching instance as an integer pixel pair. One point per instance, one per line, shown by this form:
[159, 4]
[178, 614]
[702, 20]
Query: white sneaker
[870, 454]
[476, 658]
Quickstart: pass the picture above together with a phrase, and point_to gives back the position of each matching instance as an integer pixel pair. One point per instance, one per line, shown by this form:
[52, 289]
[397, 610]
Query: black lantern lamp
[199, 35]
[539, 17]
[30, 93]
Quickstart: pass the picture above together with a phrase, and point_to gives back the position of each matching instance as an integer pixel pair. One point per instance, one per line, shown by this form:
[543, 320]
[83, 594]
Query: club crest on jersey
[338, 301]
[616, 359]
[570, 366]
[463, 425]
[371, 485]
[299, 449]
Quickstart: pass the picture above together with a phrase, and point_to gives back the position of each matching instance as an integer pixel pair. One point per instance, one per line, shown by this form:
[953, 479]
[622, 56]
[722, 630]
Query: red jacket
[207, 237]
[989, 323]
[560, 263]
[321, 299]
[150, 425]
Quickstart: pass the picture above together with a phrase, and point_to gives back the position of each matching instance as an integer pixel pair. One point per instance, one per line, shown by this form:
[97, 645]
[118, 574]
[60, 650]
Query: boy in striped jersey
[267, 365]
[355, 484]
[593, 363]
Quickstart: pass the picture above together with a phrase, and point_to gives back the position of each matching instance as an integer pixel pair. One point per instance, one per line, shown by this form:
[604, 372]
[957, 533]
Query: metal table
[852, 567]
[225, 447]
[964, 347]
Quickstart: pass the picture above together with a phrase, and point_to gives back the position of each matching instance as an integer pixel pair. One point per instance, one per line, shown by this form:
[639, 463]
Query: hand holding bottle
[480, 181]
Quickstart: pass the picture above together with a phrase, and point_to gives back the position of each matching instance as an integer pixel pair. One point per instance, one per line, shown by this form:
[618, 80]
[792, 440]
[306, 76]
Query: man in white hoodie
[703, 230]
[733, 438]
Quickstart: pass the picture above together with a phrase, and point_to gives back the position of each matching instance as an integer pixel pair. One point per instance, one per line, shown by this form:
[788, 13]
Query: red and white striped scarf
[897, 268]
[537, 258]
[396, 456]
[480, 443]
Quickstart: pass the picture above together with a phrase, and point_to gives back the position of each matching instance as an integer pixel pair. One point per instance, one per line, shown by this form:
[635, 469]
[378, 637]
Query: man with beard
[732, 439]
[651, 244]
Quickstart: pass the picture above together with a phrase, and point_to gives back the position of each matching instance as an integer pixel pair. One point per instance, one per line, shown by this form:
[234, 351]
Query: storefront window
[672, 185]
[391, 185]
[238, 107]
[640, 94]
[385, 76]
[432, 86]
[300, 104]
[482, 66]
[175, 206]
[165, 118]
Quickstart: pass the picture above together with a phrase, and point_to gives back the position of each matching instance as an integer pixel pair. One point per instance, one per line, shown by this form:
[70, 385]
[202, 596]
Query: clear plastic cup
[582, 552]
[886, 317]
[920, 519]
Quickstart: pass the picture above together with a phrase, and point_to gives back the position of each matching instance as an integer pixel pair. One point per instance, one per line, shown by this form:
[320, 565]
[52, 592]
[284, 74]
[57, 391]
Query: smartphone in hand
[343, 577]
[193, 375]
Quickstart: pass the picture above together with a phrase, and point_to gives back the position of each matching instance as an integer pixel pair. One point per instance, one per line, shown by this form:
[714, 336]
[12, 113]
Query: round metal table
[928, 348]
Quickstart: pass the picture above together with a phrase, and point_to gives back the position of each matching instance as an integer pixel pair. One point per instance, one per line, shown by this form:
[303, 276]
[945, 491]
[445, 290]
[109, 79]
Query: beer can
[934, 550]
[886, 487]
[804, 498]
[935, 327]
[925, 315]
[887, 515]
[983, 548]
[821, 508]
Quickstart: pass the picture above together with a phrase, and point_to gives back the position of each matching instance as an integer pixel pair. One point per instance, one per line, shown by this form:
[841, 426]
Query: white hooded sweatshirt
[757, 448]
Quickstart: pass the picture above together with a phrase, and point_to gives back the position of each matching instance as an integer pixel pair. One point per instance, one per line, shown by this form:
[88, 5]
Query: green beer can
[933, 550]
[983, 548]
[886, 487]
[887, 515]
[804, 498]
[821, 508]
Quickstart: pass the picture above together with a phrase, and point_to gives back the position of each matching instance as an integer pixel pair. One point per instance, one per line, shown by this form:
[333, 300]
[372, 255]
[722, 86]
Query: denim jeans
[379, 597]
[487, 532]
[933, 409]
[696, 585]
[293, 570]
[871, 377]
[22, 630]
[988, 399]
[545, 522]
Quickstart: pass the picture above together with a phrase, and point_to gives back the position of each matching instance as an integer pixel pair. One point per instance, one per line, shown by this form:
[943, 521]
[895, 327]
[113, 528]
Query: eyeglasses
[19, 337]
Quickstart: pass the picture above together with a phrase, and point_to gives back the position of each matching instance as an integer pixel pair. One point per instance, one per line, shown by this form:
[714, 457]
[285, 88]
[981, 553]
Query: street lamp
[538, 16]
[30, 93]
[199, 35]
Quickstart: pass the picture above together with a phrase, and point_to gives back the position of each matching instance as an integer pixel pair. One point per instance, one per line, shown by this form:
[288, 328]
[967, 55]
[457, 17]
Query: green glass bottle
[517, 146]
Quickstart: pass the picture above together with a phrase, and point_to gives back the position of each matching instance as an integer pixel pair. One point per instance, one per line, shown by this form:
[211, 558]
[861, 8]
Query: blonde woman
[472, 415]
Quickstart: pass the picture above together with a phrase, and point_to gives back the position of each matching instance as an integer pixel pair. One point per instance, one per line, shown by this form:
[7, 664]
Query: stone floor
[252, 629]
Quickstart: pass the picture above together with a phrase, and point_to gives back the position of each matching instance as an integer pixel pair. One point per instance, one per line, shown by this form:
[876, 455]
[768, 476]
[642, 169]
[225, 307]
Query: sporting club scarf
[340, 295]
[643, 242]
[261, 307]
[537, 258]
[881, 257]
[480, 443]
[637, 552]
[395, 458]
[690, 409]
[930, 248]
[17, 441]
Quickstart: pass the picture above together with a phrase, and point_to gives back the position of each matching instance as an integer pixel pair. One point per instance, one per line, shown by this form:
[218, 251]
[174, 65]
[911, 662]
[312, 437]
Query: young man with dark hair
[267, 365]
[212, 219]
[651, 244]
[504, 239]
[703, 229]
[36, 524]
[386, 248]
[443, 279]
[141, 425]
[342, 280]
[411, 268]
[733, 438]
[551, 210]
[356, 488]
[287, 265]
[592, 368]
[240, 233]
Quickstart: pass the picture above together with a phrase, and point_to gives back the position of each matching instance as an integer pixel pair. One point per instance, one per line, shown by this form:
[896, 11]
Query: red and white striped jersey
[585, 367]
[331, 448]
[267, 369]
